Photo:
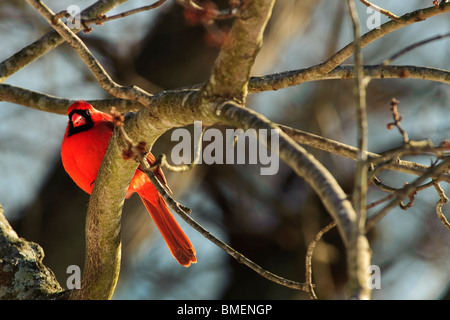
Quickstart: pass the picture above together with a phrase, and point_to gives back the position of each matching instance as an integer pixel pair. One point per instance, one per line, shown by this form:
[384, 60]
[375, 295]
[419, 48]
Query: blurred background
[269, 219]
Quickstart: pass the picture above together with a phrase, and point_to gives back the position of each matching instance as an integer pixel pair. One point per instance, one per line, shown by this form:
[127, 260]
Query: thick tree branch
[103, 221]
[103, 240]
[23, 276]
[231, 72]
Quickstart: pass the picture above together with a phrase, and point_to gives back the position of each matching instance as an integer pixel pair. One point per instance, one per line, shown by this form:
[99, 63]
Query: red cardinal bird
[83, 147]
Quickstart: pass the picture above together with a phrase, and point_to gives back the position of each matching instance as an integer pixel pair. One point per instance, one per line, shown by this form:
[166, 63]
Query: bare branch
[358, 254]
[57, 105]
[316, 72]
[181, 211]
[162, 162]
[397, 120]
[308, 259]
[295, 77]
[369, 37]
[103, 18]
[443, 200]
[277, 81]
[109, 85]
[48, 42]
[414, 46]
[433, 173]
[379, 9]
[338, 148]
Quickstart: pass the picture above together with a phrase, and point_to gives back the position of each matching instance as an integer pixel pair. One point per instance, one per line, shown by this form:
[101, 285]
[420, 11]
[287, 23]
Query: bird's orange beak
[78, 120]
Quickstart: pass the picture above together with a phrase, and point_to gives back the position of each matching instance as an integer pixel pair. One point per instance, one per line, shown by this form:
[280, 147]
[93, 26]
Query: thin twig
[380, 201]
[380, 10]
[414, 46]
[395, 191]
[344, 150]
[308, 260]
[209, 12]
[103, 18]
[397, 120]
[412, 197]
[434, 173]
[443, 200]
[386, 188]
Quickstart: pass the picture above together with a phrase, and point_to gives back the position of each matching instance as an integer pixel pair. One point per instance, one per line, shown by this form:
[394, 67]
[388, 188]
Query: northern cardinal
[82, 151]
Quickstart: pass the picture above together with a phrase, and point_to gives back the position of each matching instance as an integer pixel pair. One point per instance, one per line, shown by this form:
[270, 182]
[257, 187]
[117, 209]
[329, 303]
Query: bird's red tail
[178, 243]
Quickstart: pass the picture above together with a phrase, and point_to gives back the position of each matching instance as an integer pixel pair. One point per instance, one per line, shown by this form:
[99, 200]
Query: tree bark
[23, 276]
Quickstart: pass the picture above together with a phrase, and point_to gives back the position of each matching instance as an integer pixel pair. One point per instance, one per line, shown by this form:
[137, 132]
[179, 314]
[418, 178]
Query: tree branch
[49, 103]
[380, 10]
[414, 46]
[292, 78]
[231, 72]
[308, 260]
[49, 41]
[103, 221]
[23, 276]
[358, 251]
[103, 78]
[315, 72]
[350, 152]
[103, 18]
[433, 173]
[443, 199]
